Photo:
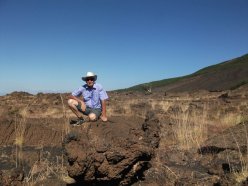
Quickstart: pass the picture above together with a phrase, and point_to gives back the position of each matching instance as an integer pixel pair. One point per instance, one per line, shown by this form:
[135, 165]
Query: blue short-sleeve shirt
[92, 95]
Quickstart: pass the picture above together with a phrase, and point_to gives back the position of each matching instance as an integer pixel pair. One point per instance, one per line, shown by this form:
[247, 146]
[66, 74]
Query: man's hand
[104, 118]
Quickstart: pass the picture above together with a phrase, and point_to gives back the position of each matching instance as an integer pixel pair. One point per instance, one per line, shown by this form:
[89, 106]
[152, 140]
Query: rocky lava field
[161, 138]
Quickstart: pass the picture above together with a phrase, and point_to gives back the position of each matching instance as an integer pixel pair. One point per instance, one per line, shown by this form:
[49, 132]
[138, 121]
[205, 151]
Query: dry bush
[230, 120]
[20, 128]
[66, 127]
[242, 174]
[190, 128]
[44, 169]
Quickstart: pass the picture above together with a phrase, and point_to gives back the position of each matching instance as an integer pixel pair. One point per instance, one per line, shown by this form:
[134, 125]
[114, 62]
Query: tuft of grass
[190, 129]
[20, 128]
[230, 120]
[241, 174]
[66, 128]
[44, 169]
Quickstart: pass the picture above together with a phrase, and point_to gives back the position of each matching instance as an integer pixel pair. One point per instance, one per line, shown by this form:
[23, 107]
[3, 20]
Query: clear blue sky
[48, 45]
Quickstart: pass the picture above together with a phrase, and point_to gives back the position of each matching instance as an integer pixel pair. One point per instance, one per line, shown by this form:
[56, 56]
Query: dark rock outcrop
[12, 177]
[116, 152]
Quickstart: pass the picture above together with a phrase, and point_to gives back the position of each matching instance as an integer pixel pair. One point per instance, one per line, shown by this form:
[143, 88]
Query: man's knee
[72, 102]
[92, 117]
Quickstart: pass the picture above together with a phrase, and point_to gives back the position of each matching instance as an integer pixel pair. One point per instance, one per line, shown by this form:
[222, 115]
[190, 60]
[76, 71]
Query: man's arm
[104, 115]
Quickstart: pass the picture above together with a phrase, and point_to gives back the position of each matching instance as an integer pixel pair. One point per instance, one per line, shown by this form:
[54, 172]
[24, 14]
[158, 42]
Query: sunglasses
[90, 79]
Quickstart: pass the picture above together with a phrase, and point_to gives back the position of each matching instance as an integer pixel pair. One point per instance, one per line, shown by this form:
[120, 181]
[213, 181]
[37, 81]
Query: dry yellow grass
[66, 128]
[190, 129]
[20, 128]
[241, 175]
[42, 169]
[231, 119]
[238, 175]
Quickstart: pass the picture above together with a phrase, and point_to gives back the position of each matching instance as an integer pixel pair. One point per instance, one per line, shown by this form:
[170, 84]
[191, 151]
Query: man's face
[90, 81]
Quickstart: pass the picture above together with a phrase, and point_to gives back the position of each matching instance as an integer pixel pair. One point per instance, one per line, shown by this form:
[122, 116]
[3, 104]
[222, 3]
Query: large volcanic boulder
[116, 152]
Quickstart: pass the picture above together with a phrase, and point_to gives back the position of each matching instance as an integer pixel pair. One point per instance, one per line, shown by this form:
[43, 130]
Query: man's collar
[93, 87]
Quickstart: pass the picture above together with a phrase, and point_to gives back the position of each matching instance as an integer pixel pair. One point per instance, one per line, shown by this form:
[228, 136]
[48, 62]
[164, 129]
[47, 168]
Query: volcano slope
[223, 76]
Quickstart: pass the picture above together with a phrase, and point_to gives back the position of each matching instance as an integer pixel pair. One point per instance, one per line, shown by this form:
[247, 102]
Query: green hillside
[224, 73]
[237, 62]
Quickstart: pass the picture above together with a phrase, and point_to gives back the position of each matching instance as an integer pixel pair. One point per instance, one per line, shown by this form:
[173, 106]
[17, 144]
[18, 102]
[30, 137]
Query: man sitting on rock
[89, 100]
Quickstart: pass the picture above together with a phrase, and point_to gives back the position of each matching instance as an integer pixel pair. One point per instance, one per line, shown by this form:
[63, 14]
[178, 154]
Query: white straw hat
[89, 74]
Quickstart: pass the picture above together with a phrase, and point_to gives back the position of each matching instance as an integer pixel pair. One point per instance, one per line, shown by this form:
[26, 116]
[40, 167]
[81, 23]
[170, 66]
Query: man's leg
[92, 117]
[73, 106]
[94, 114]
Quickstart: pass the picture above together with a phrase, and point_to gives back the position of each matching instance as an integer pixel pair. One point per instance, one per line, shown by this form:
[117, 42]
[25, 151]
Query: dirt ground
[202, 136]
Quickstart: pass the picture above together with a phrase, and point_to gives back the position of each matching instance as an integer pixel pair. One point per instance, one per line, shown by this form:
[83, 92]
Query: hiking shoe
[79, 122]
[73, 121]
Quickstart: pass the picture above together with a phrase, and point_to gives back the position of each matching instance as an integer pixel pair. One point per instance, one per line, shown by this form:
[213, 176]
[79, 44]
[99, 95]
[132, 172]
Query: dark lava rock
[12, 177]
[116, 152]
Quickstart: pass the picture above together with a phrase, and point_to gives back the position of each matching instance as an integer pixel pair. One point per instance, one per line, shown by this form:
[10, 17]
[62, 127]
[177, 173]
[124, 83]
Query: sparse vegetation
[190, 128]
[153, 84]
[231, 119]
[240, 174]
[42, 169]
[238, 62]
[147, 88]
[20, 128]
[66, 128]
